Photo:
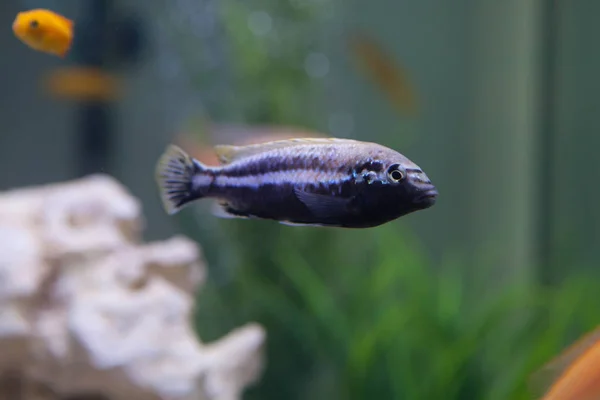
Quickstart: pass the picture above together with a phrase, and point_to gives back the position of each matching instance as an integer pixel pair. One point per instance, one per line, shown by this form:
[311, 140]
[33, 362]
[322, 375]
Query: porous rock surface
[88, 311]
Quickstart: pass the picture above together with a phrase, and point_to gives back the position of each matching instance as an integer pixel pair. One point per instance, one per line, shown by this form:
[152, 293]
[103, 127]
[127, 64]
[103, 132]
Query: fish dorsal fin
[542, 380]
[49, 16]
[229, 153]
[66, 21]
[222, 209]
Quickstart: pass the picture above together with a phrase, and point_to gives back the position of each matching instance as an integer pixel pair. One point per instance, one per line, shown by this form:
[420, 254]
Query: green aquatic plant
[268, 43]
[351, 315]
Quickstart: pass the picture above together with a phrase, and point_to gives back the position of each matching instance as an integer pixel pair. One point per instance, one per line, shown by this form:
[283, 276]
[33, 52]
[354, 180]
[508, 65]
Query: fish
[574, 374]
[329, 182]
[389, 76]
[83, 84]
[44, 30]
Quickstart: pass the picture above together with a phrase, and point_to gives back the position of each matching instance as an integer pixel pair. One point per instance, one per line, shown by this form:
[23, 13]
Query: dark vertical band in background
[547, 137]
[90, 49]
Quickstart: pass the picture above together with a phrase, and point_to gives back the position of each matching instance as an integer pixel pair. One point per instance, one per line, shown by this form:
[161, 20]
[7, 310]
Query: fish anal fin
[229, 153]
[222, 209]
[323, 206]
[290, 223]
[542, 379]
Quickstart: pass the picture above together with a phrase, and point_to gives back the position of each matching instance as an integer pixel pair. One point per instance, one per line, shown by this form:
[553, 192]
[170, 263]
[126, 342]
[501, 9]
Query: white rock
[175, 260]
[22, 267]
[86, 308]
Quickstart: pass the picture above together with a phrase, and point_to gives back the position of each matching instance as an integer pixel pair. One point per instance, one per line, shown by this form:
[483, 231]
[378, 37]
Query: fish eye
[395, 173]
[34, 23]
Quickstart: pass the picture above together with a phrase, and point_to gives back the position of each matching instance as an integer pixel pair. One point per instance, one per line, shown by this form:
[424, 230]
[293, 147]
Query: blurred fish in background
[574, 374]
[82, 84]
[390, 77]
[52, 33]
[44, 30]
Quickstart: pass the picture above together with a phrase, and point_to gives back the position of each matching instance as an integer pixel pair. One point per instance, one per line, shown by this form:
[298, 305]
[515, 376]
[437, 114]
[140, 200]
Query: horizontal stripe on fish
[298, 176]
[202, 180]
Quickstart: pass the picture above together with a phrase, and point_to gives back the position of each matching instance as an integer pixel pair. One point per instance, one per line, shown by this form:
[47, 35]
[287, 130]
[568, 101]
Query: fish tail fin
[176, 174]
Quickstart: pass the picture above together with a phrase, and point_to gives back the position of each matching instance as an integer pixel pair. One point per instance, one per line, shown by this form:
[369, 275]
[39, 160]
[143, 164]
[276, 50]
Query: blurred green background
[461, 301]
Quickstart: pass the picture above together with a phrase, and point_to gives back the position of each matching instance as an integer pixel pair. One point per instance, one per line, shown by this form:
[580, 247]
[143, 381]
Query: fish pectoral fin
[228, 153]
[224, 210]
[323, 206]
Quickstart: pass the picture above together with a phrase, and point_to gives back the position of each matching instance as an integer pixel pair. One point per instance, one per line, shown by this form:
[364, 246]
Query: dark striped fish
[311, 181]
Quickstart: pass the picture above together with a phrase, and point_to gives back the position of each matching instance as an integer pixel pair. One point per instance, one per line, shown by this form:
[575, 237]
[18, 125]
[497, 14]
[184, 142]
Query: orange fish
[576, 372]
[387, 75]
[45, 31]
[83, 83]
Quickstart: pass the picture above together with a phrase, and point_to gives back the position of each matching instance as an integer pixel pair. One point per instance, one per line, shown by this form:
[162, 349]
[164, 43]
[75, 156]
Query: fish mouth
[427, 197]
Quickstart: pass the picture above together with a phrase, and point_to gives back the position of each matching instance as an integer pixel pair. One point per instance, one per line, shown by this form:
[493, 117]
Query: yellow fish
[45, 31]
